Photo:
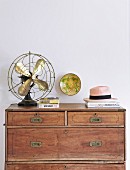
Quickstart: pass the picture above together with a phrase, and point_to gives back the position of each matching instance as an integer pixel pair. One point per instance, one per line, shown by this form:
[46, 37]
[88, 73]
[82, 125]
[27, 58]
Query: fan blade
[24, 88]
[20, 68]
[38, 67]
[42, 85]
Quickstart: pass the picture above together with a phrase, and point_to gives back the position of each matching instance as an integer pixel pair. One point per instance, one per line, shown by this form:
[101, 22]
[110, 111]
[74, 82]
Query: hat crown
[100, 90]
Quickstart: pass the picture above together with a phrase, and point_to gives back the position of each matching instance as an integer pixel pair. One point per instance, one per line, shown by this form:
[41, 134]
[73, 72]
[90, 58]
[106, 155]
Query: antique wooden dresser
[71, 137]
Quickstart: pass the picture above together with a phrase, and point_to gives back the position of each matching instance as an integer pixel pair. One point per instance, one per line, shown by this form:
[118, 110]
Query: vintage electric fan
[30, 77]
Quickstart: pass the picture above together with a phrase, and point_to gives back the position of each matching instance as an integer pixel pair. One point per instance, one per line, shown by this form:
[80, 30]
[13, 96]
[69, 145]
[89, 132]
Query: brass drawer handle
[36, 144]
[95, 143]
[36, 120]
[95, 119]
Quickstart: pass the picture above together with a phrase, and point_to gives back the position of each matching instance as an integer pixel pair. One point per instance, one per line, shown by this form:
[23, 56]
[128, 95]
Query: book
[104, 105]
[49, 100]
[107, 103]
[41, 105]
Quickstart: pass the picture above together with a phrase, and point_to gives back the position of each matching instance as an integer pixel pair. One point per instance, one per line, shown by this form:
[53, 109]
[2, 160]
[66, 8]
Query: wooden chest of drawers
[70, 137]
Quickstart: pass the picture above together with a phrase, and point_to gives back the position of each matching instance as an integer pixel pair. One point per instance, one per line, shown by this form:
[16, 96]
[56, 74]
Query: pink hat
[100, 92]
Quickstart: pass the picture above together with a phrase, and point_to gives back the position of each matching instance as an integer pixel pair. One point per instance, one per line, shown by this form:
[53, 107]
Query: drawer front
[35, 118]
[66, 167]
[96, 118]
[65, 144]
[35, 167]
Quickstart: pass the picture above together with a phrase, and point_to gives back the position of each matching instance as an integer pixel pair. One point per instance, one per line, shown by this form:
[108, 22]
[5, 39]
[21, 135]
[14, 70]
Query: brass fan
[36, 75]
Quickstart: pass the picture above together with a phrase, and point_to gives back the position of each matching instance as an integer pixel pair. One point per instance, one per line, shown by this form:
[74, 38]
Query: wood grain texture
[66, 144]
[63, 107]
[66, 167]
[105, 118]
[35, 118]
[64, 138]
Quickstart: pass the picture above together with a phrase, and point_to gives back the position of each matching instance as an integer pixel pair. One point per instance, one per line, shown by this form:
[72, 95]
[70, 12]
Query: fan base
[27, 103]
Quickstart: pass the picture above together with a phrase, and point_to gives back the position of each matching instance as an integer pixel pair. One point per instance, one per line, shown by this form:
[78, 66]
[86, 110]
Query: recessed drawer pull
[36, 144]
[65, 167]
[36, 120]
[66, 131]
[95, 143]
[95, 119]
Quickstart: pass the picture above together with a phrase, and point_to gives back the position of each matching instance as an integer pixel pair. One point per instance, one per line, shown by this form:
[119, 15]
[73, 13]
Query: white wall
[86, 37]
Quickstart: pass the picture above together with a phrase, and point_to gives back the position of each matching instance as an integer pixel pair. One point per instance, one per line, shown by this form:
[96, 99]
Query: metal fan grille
[29, 60]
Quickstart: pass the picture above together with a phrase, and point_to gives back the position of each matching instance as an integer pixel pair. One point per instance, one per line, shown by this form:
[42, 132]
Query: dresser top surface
[62, 107]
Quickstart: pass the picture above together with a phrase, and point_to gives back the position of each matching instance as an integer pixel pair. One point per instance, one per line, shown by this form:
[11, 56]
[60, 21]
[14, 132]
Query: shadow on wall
[4, 93]
[57, 86]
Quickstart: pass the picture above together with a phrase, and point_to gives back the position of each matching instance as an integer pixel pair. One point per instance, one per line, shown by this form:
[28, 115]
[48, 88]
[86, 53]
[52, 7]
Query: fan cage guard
[29, 60]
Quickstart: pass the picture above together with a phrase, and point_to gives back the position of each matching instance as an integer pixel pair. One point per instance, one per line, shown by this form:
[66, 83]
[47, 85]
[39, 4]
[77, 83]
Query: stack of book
[105, 103]
[50, 102]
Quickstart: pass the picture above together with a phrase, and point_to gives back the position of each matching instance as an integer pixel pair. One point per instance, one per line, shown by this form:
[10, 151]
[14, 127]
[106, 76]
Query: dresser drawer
[96, 118]
[65, 167]
[36, 167]
[35, 118]
[65, 144]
